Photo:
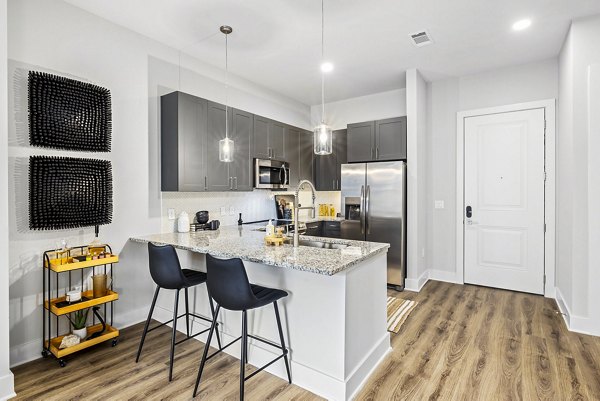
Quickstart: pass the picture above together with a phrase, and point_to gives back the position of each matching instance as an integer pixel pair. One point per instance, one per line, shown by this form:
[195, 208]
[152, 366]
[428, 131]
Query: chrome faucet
[298, 207]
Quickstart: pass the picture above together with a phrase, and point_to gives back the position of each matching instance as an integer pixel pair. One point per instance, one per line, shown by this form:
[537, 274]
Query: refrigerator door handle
[362, 209]
[367, 207]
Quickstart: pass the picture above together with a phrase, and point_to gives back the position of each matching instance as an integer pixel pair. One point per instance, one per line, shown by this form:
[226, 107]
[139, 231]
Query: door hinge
[545, 125]
[544, 227]
[544, 280]
[545, 176]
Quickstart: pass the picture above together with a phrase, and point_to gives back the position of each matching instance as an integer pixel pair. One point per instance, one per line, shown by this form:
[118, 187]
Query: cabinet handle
[235, 183]
[371, 153]
[205, 184]
[377, 153]
[230, 183]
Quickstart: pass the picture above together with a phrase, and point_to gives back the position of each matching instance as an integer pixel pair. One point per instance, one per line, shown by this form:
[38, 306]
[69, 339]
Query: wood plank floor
[460, 343]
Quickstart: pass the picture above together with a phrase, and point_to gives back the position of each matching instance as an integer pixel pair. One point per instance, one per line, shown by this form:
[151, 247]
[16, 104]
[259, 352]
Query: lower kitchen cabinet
[328, 169]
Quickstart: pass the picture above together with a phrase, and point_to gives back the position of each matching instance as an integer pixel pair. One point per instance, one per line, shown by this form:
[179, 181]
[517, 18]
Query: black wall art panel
[69, 192]
[68, 114]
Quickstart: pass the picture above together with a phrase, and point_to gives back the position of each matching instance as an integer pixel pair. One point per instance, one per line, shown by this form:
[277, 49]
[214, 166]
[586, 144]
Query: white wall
[6, 377]
[416, 160]
[52, 36]
[517, 84]
[578, 185]
[364, 108]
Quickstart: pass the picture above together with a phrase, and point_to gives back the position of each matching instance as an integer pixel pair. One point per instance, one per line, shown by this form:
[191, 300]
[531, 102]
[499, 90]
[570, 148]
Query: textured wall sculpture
[68, 114]
[69, 192]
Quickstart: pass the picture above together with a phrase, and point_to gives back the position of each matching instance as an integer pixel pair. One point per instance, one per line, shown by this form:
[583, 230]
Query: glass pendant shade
[226, 150]
[323, 140]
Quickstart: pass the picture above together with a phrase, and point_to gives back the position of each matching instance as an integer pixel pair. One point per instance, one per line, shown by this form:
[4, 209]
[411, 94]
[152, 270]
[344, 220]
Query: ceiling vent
[421, 38]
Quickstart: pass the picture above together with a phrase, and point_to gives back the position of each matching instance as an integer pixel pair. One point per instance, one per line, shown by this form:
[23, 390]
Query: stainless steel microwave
[271, 174]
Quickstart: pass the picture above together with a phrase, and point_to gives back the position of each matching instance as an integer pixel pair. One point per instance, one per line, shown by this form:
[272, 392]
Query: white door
[504, 196]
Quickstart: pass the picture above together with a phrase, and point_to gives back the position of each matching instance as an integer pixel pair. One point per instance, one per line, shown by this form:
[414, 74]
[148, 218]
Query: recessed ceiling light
[327, 67]
[521, 24]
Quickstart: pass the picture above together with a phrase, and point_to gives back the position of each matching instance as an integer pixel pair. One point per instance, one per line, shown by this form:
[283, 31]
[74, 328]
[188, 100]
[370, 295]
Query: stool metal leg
[212, 310]
[187, 313]
[245, 343]
[243, 356]
[173, 335]
[206, 346]
[285, 357]
[137, 358]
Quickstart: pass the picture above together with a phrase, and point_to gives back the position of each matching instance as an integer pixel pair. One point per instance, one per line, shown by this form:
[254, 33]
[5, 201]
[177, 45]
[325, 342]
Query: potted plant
[78, 321]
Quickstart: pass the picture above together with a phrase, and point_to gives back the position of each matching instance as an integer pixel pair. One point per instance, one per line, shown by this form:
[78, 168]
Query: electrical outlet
[439, 204]
[231, 210]
[171, 214]
[223, 211]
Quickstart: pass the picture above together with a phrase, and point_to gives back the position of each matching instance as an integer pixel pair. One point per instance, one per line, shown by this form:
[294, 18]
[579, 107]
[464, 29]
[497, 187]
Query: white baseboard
[444, 275]
[367, 366]
[578, 324]
[415, 284]
[7, 386]
[32, 350]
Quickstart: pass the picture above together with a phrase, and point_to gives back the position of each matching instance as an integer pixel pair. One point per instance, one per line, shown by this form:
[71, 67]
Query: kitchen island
[334, 317]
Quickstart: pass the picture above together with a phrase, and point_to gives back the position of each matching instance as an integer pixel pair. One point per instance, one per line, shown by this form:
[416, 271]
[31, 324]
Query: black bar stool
[168, 274]
[228, 284]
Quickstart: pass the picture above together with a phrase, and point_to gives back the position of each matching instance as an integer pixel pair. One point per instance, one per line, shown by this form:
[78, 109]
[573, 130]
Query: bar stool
[168, 274]
[228, 284]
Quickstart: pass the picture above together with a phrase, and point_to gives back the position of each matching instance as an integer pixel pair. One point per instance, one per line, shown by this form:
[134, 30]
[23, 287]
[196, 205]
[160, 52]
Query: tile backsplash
[255, 205]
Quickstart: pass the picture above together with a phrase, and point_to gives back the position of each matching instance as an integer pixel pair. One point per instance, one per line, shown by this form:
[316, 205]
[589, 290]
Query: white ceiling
[276, 43]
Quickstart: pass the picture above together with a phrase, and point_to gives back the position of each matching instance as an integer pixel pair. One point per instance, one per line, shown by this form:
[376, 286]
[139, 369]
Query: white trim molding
[416, 284]
[577, 324]
[549, 107]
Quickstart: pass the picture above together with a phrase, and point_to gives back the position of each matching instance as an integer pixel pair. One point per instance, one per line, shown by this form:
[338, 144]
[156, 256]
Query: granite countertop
[246, 243]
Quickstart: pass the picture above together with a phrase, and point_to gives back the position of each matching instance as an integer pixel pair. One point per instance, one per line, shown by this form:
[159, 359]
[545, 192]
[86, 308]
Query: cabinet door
[261, 137]
[218, 173]
[340, 150]
[183, 142]
[390, 139]
[361, 142]
[306, 156]
[241, 168]
[292, 151]
[325, 172]
[277, 140]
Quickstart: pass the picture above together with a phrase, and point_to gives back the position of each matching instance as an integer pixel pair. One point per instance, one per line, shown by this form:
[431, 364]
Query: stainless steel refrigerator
[374, 206]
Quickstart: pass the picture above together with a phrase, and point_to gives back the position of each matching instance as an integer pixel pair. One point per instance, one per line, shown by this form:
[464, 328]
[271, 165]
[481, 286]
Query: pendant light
[226, 145]
[323, 136]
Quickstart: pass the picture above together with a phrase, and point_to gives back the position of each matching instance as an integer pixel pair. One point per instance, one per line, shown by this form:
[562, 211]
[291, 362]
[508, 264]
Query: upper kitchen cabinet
[234, 176]
[390, 139]
[307, 155]
[183, 143]
[218, 178]
[361, 138]
[328, 168]
[269, 139]
[292, 152]
[379, 140]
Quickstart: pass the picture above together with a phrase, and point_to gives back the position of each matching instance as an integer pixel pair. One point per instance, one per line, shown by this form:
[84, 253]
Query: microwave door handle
[362, 209]
[285, 176]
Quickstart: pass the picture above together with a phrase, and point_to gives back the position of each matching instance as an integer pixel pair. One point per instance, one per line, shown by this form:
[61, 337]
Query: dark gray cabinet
[292, 152]
[377, 140]
[242, 134]
[328, 168]
[183, 143]
[361, 138]
[307, 155]
[269, 138]
[237, 175]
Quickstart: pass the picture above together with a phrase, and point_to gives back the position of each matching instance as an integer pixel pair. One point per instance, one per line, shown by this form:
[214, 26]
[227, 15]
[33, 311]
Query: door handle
[362, 209]
[367, 207]
[469, 212]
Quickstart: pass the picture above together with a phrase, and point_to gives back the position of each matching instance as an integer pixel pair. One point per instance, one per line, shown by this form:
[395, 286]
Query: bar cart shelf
[67, 268]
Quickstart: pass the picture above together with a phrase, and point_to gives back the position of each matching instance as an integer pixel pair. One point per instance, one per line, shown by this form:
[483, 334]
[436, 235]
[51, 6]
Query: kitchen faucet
[298, 207]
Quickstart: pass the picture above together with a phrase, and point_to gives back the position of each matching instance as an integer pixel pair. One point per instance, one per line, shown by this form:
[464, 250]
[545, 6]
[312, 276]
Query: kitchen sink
[318, 244]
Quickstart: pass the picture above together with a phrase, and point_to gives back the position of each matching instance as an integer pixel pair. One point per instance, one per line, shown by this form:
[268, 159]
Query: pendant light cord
[226, 87]
[322, 61]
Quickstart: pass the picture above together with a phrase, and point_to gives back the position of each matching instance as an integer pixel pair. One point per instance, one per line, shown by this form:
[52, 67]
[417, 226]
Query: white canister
[183, 223]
